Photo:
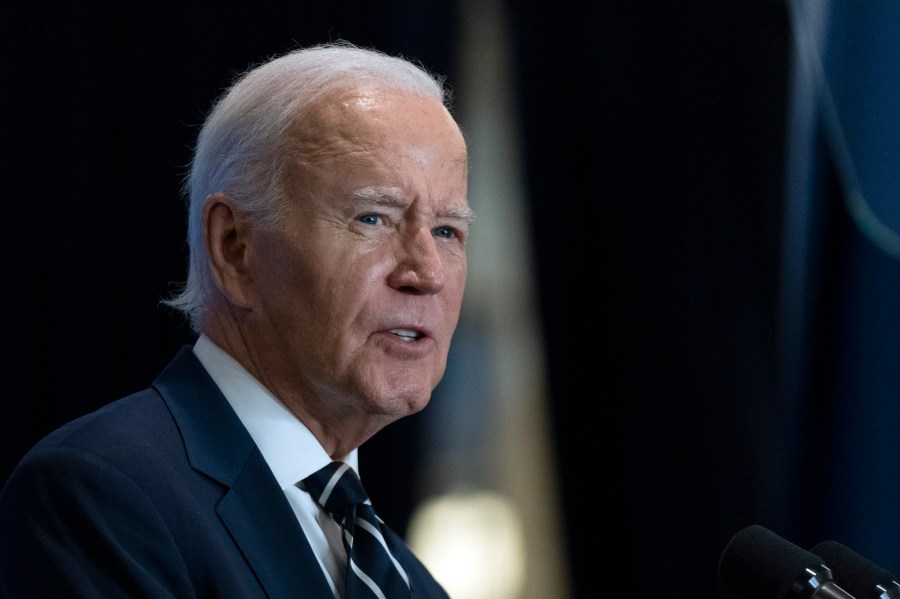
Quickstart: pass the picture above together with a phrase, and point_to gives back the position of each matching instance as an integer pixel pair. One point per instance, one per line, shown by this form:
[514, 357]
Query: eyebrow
[380, 197]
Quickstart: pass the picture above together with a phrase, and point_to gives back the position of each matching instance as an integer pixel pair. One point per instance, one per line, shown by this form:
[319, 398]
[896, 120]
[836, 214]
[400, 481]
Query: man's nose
[419, 266]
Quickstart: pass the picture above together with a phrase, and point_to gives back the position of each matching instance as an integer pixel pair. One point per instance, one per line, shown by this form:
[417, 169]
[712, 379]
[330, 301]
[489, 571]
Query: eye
[445, 232]
[370, 219]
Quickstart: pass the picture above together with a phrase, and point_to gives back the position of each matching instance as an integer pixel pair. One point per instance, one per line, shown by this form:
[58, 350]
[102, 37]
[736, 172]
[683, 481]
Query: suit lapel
[253, 506]
[268, 533]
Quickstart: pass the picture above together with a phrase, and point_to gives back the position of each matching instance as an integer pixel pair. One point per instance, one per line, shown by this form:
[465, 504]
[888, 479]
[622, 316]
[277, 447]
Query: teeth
[406, 334]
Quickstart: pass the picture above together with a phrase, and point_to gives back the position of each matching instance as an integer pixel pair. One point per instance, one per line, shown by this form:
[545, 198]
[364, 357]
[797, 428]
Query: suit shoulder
[139, 415]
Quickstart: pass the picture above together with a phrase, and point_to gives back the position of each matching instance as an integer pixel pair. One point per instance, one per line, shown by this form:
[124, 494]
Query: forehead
[376, 147]
[371, 119]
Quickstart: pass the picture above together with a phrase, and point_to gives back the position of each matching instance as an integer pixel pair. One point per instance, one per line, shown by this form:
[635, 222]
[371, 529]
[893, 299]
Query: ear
[227, 233]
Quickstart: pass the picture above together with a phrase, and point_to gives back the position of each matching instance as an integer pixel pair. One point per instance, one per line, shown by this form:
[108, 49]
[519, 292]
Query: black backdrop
[654, 144]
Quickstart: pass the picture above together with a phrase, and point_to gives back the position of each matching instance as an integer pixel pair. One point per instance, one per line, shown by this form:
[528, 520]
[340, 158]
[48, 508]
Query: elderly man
[328, 220]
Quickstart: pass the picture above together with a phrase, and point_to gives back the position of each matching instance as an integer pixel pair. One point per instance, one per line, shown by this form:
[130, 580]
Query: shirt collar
[289, 448]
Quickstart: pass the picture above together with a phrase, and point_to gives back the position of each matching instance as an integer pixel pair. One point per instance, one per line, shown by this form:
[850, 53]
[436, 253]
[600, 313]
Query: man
[327, 227]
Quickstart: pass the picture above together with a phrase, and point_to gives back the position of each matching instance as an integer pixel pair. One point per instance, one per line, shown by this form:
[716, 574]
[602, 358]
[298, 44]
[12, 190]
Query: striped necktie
[371, 569]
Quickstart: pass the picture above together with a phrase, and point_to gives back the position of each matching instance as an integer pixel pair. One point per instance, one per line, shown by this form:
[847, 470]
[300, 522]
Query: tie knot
[335, 487]
[372, 569]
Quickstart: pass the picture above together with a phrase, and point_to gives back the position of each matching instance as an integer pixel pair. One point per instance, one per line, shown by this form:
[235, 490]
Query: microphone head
[859, 576]
[758, 564]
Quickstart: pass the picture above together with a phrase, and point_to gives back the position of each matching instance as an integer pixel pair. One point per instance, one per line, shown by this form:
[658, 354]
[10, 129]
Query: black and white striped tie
[372, 571]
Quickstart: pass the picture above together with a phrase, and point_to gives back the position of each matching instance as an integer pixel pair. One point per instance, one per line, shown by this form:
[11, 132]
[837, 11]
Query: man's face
[357, 293]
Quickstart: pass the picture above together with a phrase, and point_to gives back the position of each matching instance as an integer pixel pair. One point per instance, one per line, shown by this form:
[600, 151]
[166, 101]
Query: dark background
[655, 145]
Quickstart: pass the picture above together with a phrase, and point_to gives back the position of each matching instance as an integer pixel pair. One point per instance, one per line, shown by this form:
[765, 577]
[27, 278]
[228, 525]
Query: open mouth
[407, 334]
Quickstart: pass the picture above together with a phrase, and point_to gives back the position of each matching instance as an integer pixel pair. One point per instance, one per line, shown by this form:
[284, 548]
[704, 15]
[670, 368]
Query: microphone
[758, 564]
[857, 574]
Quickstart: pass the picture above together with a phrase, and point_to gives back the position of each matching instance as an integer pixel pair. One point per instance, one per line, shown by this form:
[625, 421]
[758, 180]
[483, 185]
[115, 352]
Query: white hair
[245, 148]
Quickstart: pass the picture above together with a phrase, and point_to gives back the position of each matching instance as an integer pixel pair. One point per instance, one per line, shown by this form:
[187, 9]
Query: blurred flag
[841, 285]
[490, 470]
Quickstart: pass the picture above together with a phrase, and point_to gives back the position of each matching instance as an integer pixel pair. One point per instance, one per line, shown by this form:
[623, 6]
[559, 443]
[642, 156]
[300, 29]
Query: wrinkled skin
[346, 309]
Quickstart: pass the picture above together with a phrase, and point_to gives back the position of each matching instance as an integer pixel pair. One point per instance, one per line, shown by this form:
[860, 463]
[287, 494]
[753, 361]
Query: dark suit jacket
[159, 494]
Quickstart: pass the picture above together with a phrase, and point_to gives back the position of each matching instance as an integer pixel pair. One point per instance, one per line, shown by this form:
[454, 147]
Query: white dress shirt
[289, 448]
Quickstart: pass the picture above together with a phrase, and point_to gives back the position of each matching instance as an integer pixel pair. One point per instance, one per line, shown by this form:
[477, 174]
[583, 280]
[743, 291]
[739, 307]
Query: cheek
[348, 282]
[362, 267]
[287, 281]
[456, 284]
[451, 300]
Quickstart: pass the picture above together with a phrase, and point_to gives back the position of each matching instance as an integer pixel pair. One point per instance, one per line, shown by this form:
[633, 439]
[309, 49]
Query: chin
[418, 405]
[403, 394]
[404, 404]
